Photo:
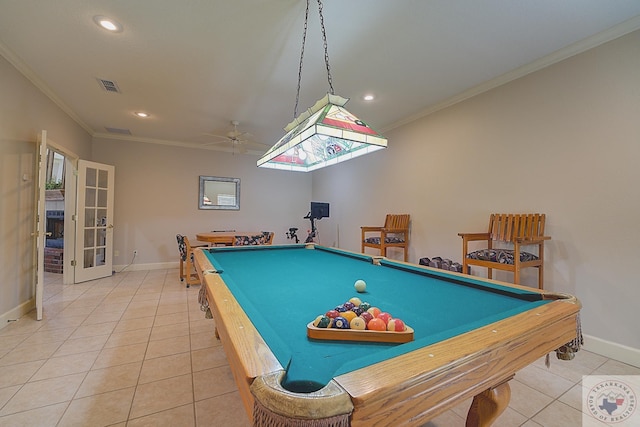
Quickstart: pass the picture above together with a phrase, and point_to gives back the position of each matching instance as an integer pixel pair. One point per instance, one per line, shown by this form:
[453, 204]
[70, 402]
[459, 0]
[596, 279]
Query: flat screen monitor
[319, 210]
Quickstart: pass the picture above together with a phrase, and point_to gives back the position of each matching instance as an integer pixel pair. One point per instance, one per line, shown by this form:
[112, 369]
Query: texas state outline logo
[611, 400]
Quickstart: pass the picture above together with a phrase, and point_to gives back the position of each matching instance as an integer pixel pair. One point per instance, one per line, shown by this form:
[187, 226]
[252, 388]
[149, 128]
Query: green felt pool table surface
[283, 288]
[471, 335]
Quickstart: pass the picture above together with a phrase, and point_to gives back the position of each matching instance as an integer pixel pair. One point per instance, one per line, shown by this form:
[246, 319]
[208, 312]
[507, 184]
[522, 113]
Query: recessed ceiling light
[368, 97]
[141, 114]
[107, 23]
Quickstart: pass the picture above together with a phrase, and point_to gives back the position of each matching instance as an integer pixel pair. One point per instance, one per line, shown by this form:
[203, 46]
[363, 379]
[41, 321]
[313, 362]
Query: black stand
[312, 233]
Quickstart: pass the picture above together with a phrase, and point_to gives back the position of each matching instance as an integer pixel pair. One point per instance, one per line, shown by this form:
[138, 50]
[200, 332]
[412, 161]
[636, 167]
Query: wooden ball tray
[357, 335]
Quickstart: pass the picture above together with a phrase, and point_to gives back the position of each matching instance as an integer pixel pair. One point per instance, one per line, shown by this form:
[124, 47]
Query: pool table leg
[488, 405]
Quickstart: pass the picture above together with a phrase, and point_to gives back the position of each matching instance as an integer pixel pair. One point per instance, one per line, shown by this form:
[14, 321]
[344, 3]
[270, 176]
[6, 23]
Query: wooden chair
[515, 229]
[187, 269]
[394, 234]
[266, 238]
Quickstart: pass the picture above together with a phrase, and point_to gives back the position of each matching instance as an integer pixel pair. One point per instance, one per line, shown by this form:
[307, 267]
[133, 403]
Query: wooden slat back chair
[266, 238]
[394, 234]
[516, 229]
[188, 272]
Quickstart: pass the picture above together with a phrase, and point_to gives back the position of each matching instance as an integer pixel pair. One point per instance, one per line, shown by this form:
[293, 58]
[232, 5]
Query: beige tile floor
[134, 349]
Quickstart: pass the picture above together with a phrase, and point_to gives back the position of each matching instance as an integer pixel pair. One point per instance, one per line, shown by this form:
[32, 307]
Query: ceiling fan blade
[256, 144]
[216, 136]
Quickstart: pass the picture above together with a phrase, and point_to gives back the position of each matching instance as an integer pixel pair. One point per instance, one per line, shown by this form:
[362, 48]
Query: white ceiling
[196, 65]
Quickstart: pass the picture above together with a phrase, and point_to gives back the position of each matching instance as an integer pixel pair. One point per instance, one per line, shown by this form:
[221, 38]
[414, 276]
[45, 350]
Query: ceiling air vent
[118, 131]
[109, 86]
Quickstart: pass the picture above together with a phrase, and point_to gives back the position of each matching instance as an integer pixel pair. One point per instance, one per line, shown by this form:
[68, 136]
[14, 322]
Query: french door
[40, 226]
[94, 221]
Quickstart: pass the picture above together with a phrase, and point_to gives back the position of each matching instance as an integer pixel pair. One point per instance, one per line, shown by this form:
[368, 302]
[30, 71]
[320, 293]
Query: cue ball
[360, 285]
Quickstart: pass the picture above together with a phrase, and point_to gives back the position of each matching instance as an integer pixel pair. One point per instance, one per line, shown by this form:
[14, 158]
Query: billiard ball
[332, 314]
[357, 310]
[396, 325]
[348, 305]
[358, 324]
[349, 315]
[355, 301]
[365, 306]
[360, 285]
[366, 316]
[384, 316]
[374, 311]
[340, 323]
[341, 308]
[376, 324]
[322, 321]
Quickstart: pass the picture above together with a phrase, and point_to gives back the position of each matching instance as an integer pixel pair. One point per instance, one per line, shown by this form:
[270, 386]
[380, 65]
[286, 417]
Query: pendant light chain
[326, 54]
[326, 49]
[304, 38]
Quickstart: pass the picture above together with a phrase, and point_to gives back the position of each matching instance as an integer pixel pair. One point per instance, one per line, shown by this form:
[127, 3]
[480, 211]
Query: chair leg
[465, 264]
[541, 267]
[191, 275]
[541, 277]
[516, 275]
[188, 273]
[489, 273]
[181, 270]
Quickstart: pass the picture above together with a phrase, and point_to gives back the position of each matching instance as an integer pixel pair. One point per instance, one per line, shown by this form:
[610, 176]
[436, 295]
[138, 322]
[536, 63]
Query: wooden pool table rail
[426, 382]
[415, 387]
[248, 354]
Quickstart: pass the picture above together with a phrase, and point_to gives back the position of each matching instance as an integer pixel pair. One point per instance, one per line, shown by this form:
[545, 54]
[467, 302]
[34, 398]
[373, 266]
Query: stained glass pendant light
[323, 135]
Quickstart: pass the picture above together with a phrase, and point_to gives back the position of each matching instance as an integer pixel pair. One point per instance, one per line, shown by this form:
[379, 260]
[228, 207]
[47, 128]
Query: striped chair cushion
[376, 240]
[502, 256]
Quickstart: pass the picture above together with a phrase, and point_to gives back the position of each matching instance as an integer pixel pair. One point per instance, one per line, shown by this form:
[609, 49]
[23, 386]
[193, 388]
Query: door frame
[40, 220]
[70, 186]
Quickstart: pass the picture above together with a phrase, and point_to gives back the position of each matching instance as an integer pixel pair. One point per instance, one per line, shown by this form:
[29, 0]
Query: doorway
[55, 212]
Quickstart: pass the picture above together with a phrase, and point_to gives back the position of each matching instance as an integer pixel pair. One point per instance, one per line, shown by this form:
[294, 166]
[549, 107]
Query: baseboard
[17, 312]
[151, 266]
[612, 350]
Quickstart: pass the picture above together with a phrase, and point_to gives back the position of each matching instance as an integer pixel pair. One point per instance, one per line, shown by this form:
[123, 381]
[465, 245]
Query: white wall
[24, 112]
[564, 141]
[156, 197]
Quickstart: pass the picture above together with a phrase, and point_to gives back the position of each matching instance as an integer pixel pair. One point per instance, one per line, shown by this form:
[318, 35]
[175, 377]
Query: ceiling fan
[236, 139]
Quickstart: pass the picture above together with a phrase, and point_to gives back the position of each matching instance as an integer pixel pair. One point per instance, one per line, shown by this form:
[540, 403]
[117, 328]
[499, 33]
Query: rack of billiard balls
[356, 320]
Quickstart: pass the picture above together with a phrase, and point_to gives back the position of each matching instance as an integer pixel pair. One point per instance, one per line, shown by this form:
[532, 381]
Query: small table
[471, 336]
[224, 237]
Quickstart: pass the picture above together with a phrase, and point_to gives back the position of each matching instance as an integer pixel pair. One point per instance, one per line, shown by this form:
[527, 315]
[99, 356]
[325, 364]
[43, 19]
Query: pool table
[471, 336]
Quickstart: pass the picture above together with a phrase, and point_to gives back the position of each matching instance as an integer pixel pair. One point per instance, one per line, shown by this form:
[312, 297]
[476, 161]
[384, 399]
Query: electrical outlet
[135, 252]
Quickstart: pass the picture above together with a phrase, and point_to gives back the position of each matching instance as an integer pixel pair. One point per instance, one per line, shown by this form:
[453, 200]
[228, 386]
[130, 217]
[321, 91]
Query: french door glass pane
[103, 179]
[89, 217]
[90, 197]
[88, 258]
[100, 256]
[91, 177]
[102, 198]
[101, 219]
[102, 236]
[89, 238]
